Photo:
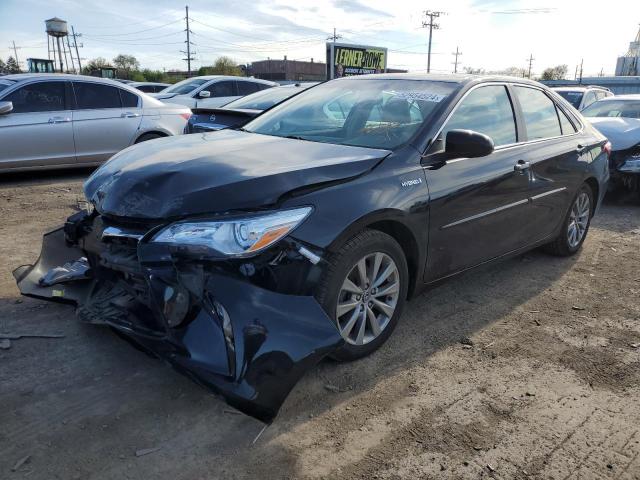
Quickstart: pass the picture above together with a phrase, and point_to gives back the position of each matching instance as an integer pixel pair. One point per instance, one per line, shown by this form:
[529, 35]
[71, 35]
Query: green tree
[222, 66]
[474, 71]
[94, 65]
[155, 76]
[558, 72]
[3, 67]
[12, 66]
[126, 63]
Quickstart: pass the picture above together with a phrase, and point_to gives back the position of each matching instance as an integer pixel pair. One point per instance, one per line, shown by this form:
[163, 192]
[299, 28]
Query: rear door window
[246, 88]
[129, 99]
[589, 98]
[539, 111]
[91, 96]
[38, 97]
[226, 88]
[486, 110]
[565, 123]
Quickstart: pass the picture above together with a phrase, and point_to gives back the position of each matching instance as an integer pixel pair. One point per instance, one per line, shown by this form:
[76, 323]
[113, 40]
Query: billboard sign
[344, 60]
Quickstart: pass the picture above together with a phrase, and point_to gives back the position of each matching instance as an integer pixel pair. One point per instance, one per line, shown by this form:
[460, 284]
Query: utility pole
[432, 26]
[531, 59]
[75, 44]
[15, 53]
[335, 36]
[581, 65]
[457, 53]
[331, 61]
[601, 72]
[188, 42]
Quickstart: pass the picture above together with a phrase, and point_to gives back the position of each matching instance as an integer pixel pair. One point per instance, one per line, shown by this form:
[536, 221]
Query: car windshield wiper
[295, 137]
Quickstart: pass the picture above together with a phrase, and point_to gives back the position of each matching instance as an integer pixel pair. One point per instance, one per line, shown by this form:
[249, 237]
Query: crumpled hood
[217, 172]
[623, 133]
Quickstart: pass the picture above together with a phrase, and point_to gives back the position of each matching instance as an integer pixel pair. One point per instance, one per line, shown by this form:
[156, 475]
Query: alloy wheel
[368, 298]
[578, 220]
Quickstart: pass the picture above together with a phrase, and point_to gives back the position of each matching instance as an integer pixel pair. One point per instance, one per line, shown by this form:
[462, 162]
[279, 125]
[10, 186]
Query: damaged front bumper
[215, 323]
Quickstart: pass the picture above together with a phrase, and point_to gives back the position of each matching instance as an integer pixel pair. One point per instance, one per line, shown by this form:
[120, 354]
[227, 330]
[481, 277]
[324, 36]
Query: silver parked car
[57, 120]
[211, 91]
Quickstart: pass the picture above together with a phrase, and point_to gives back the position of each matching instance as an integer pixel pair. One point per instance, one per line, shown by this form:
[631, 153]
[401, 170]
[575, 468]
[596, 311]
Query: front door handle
[59, 119]
[129, 115]
[521, 165]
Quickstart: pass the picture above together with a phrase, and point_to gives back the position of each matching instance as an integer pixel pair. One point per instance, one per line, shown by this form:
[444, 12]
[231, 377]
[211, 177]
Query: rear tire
[363, 290]
[148, 136]
[575, 226]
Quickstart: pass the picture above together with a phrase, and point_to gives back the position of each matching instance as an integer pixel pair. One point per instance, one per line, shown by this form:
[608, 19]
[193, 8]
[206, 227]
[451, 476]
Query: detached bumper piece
[244, 342]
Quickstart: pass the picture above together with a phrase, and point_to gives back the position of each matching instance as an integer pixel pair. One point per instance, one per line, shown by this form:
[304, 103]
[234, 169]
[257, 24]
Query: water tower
[56, 32]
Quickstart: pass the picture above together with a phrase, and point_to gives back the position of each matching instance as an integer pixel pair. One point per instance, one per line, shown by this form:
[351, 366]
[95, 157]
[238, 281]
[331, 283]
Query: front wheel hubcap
[578, 220]
[368, 298]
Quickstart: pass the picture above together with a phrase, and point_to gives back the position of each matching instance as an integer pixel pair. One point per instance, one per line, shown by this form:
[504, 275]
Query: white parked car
[57, 120]
[581, 96]
[211, 91]
[149, 87]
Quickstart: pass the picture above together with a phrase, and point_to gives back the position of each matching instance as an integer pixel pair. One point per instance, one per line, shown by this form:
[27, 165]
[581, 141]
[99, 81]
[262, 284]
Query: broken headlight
[631, 165]
[238, 237]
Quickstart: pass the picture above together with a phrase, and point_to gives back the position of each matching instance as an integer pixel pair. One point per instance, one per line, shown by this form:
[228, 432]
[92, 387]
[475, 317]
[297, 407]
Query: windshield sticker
[425, 96]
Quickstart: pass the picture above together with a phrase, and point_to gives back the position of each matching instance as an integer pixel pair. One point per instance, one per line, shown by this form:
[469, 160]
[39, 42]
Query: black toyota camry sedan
[243, 257]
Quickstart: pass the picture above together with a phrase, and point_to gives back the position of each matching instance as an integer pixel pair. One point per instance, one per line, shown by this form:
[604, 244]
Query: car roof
[631, 96]
[459, 78]
[230, 77]
[579, 88]
[136, 84]
[59, 76]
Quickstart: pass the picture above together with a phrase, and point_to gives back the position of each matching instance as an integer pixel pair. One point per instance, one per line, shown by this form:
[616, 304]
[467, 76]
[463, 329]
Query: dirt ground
[548, 389]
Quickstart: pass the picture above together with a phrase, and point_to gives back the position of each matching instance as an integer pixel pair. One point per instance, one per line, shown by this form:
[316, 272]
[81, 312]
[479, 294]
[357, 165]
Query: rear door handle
[129, 115]
[59, 119]
[521, 165]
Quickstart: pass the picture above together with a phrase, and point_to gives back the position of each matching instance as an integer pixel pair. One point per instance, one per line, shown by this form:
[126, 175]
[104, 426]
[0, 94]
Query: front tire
[575, 226]
[363, 290]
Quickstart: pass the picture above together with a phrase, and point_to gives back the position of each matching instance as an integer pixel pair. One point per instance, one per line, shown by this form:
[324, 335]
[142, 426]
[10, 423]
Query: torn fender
[272, 341]
[55, 253]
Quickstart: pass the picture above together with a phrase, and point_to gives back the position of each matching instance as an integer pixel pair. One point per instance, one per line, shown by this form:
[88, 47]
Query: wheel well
[595, 188]
[153, 132]
[407, 241]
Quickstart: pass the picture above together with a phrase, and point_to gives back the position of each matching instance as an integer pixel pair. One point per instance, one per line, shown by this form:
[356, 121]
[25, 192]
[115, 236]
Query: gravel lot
[549, 387]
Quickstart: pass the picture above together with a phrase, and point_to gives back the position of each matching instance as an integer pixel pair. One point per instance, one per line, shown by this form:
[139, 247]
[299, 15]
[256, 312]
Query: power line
[139, 31]
[432, 26]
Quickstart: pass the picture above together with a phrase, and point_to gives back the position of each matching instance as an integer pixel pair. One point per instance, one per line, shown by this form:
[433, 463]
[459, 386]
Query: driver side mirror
[204, 94]
[5, 107]
[467, 144]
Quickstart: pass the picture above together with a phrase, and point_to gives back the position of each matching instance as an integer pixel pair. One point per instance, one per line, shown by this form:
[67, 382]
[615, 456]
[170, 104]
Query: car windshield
[375, 113]
[572, 96]
[265, 98]
[613, 108]
[185, 86]
[6, 84]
